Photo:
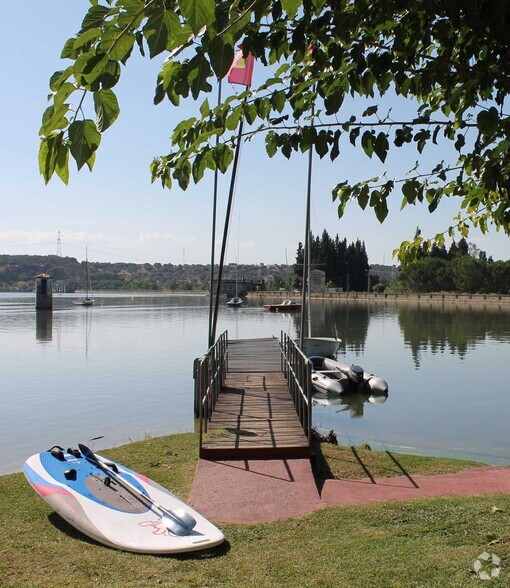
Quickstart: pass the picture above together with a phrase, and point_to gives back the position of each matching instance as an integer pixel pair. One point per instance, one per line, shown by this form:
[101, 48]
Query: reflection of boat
[354, 402]
[285, 306]
[88, 300]
[235, 301]
[344, 378]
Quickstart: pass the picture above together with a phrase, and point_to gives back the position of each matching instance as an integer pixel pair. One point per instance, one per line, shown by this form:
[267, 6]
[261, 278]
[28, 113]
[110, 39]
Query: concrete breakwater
[440, 297]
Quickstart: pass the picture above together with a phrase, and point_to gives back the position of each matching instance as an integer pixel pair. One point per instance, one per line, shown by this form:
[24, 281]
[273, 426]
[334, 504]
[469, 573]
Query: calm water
[123, 370]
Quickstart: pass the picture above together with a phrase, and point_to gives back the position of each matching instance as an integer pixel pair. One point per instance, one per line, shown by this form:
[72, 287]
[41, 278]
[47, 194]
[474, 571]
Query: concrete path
[255, 491]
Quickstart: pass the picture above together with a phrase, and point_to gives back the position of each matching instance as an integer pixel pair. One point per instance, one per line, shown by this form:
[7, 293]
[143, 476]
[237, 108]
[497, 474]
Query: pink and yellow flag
[241, 70]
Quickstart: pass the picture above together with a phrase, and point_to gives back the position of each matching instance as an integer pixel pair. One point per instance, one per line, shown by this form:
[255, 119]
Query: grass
[421, 543]
[353, 463]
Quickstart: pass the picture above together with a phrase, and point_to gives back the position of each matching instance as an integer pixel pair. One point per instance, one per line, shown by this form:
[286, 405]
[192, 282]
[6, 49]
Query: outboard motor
[355, 374]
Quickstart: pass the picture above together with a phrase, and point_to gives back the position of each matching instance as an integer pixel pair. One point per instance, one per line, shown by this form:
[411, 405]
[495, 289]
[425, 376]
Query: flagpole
[211, 337]
[240, 73]
[226, 225]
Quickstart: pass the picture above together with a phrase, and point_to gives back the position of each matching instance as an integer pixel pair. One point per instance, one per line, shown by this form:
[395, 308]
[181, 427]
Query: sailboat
[236, 301]
[88, 300]
[324, 346]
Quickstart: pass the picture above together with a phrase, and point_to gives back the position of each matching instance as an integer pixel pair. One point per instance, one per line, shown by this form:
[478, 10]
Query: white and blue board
[117, 506]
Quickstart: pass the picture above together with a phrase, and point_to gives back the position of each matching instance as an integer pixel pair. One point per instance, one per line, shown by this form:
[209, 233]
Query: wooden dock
[254, 416]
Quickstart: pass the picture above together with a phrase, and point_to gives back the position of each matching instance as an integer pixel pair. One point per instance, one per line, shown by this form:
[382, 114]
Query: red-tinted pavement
[480, 480]
[254, 491]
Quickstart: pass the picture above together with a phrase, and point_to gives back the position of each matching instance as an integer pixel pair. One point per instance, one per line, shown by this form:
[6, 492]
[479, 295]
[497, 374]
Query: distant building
[228, 287]
[63, 287]
[385, 272]
[317, 281]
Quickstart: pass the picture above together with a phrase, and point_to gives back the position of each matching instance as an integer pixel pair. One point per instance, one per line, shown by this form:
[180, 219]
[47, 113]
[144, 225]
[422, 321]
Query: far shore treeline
[462, 268]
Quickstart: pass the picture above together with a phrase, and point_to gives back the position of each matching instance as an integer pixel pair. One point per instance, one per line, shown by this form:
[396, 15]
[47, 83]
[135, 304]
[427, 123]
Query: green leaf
[199, 71]
[223, 156]
[157, 30]
[46, 158]
[291, 7]
[107, 109]
[322, 144]
[117, 44]
[271, 144]
[381, 146]
[487, 121]
[53, 156]
[62, 162]
[363, 196]
[84, 139]
[221, 55]
[86, 37]
[198, 13]
[54, 119]
[205, 109]
[233, 119]
[95, 17]
[183, 174]
[68, 51]
[367, 143]
[370, 110]
[59, 77]
[278, 100]
[200, 165]
[63, 93]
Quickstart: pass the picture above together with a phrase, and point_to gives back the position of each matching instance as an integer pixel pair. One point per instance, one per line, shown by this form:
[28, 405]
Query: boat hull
[285, 306]
[325, 346]
[370, 382]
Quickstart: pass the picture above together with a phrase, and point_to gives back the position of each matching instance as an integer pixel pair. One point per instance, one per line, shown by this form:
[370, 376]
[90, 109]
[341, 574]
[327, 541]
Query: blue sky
[121, 217]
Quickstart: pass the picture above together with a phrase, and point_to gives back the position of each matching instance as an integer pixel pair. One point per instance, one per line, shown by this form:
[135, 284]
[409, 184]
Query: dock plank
[255, 414]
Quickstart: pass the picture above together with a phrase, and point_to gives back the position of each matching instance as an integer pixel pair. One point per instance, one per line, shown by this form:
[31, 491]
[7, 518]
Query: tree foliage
[448, 60]
[345, 265]
[462, 268]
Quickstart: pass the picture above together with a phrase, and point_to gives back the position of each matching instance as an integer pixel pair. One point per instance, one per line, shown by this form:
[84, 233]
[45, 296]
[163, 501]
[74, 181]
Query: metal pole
[306, 253]
[213, 236]
[226, 227]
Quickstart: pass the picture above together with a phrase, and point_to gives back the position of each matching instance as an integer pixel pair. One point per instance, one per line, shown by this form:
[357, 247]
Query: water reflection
[353, 403]
[44, 325]
[450, 329]
[349, 322]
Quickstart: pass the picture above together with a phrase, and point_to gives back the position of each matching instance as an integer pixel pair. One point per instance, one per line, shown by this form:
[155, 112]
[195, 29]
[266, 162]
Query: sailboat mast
[237, 260]
[305, 312]
[210, 337]
[87, 279]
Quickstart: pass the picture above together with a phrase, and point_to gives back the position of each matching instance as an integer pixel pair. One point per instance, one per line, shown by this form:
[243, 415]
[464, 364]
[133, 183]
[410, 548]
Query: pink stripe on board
[47, 490]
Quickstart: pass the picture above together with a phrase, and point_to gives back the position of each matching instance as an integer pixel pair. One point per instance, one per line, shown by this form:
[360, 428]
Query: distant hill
[17, 273]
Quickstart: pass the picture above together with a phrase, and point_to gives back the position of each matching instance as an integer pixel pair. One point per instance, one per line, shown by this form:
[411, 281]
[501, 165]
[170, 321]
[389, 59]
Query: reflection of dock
[258, 407]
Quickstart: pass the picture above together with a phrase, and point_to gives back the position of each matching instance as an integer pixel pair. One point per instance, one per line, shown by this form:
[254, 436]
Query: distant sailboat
[88, 300]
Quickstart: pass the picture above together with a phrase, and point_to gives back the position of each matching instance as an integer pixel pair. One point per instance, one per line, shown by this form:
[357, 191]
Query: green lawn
[428, 543]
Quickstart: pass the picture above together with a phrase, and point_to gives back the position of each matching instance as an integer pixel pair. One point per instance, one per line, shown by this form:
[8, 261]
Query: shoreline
[442, 297]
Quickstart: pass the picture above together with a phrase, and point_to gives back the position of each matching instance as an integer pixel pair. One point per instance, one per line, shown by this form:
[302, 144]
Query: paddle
[178, 521]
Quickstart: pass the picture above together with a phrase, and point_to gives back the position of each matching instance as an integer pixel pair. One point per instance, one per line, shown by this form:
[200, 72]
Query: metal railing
[297, 369]
[209, 374]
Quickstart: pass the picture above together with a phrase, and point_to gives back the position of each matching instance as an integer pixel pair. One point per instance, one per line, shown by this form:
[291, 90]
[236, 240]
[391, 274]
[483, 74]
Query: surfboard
[116, 506]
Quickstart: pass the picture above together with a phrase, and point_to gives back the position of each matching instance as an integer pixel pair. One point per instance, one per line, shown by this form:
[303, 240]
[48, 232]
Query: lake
[123, 371]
